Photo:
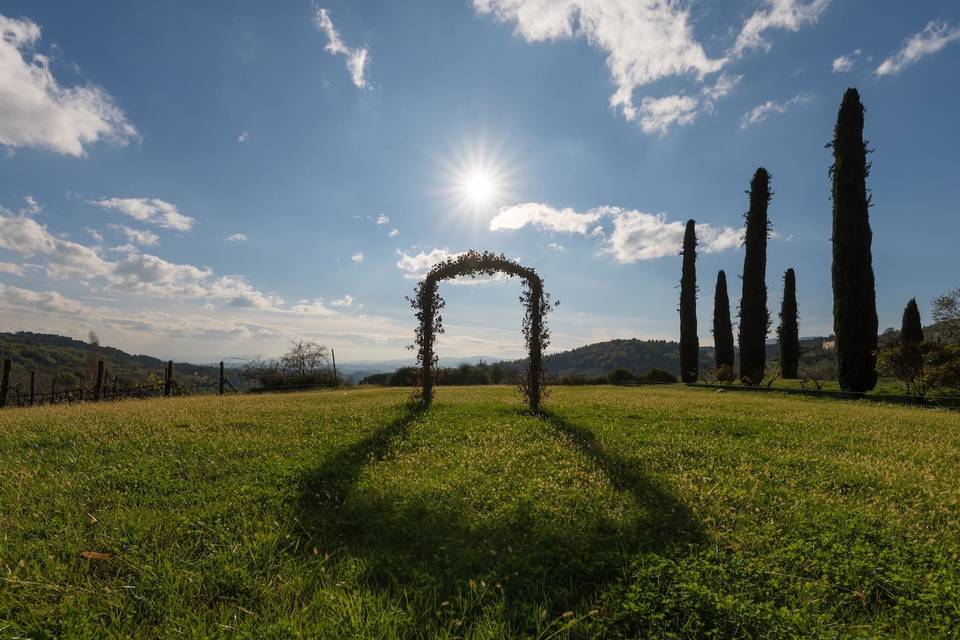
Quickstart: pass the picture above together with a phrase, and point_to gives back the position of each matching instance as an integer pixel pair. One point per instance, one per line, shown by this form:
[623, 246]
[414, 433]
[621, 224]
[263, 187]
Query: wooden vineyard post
[168, 379]
[98, 389]
[5, 383]
[336, 380]
[221, 378]
[33, 378]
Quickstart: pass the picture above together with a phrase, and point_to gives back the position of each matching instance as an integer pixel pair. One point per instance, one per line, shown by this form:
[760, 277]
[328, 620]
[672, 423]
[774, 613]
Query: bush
[659, 375]
[620, 376]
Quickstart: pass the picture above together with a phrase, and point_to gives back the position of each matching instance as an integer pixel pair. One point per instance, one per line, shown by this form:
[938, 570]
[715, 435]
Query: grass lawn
[627, 512]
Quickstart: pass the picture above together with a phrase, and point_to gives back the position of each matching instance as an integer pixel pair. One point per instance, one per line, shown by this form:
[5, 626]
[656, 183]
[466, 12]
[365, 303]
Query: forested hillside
[74, 362]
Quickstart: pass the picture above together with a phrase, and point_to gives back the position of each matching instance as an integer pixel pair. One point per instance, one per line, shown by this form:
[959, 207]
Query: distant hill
[638, 356]
[74, 362]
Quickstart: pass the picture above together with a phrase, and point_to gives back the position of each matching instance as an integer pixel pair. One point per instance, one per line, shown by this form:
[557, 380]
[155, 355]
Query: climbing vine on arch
[428, 304]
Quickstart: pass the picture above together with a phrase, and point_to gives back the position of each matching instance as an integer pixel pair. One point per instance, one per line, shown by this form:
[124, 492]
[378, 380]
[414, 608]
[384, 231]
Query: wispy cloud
[787, 15]
[761, 112]
[243, 137]
[934, 37]
[12, 269]
[237, 237]
[150, 210]
[650, 41]
[357, 59]
[141, 237]
[843, 64]
[35, 111]
[357, 257]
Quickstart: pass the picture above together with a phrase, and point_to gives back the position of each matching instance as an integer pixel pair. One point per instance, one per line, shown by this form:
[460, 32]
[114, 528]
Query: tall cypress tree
[754, 317]
[689, 343]
[722, 327]
[911, 329]
[788, 333]
[854, 290]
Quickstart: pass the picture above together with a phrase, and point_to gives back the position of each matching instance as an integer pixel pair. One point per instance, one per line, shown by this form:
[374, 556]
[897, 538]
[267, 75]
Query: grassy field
[651, 512]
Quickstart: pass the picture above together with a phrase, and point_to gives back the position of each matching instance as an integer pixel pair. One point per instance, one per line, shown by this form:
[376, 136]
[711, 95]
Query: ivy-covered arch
[427, 304]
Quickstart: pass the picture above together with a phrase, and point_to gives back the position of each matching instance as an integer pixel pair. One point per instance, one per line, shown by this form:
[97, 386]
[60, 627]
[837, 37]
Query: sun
[479, 188]
[478, 179]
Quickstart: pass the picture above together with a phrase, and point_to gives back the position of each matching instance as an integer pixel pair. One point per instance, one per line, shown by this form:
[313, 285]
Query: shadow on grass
[435, 541]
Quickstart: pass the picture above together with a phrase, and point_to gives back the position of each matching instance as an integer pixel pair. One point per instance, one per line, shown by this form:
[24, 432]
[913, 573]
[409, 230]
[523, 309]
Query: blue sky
[203, 183]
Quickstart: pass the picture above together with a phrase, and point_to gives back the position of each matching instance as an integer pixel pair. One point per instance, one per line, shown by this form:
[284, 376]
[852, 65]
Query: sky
[202, 183]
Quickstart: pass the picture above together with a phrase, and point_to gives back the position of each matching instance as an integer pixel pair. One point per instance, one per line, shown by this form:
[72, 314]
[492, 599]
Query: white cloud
[383, 219]
[393, 233]
[635, 235]
[35, 111]
[150, 210]
[650, 40]
[544, 217]
[12, 269]
[644, 41]
[48, 302]
[760, 113]
[357, 257]
[141, 237]
[32, 208]
[559, 248]
[134, 272]
[843, 64]
[658, 115]
[645, 236]
[417, 265]
[237, 237]
[789, 15]
[357, 59]
[345, 301]
[243, 137]
[65, 259]
[934, 37]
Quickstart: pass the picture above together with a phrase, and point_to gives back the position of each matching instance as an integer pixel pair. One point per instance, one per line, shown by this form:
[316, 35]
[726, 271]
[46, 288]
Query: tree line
[920, 365]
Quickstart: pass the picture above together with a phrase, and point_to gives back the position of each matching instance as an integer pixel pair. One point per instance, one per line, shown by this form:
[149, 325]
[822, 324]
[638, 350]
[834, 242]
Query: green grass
[649, 512]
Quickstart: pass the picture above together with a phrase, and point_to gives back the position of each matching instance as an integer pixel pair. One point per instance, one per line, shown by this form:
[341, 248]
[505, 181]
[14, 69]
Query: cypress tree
[911, 329]
[722, 327]
[689, 343]
[754, 317]
[788, 333]
[854, 290]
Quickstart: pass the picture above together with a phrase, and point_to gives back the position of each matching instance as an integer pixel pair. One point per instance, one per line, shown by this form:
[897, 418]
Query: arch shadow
[430, 543]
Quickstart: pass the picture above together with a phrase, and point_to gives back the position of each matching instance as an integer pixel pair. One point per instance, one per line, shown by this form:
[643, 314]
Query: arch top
[474, 263]
[427, 304]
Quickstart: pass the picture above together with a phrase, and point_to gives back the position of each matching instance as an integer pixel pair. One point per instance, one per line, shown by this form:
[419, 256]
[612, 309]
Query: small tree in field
[854, 291]
[754, 317]
[689, 343]
[722, 329]
[788, 333]
[946, 312]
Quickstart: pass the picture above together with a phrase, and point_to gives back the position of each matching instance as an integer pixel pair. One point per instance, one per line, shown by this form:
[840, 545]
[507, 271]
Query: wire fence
[27, 392]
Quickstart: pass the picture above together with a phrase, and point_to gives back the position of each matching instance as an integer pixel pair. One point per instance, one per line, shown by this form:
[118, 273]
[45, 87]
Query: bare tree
[305, 357]
[93, 356]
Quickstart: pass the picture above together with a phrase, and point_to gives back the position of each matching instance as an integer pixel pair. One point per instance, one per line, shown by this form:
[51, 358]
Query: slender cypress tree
[788, 333]
[754, 317]
[689, 343]
[911, 329]
[722, 328]
[854, 290]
